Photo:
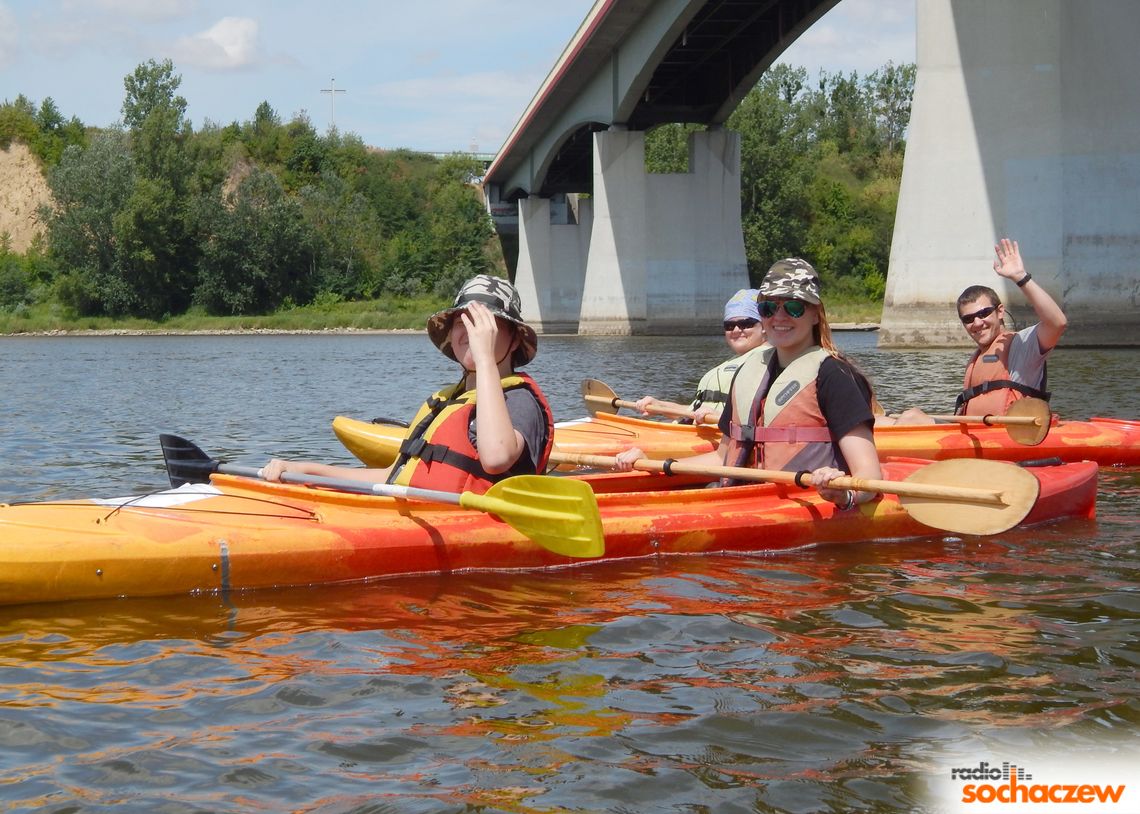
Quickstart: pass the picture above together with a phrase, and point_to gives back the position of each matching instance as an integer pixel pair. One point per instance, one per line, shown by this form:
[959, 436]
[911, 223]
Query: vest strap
[793, 435]
[744, 433]
[997, 384]
[715, 396]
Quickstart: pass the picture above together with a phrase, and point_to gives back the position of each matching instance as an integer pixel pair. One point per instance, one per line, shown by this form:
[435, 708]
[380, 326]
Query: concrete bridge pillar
[665, 251]
[552, 265]
[1026, 124]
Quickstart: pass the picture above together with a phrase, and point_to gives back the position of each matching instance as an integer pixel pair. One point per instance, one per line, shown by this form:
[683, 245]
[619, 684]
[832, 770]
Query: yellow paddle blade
[559, 514]
[1018, 489]
[1029, 435]
[599, 397]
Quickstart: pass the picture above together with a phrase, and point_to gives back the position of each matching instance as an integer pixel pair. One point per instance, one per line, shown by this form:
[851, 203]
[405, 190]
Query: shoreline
[842, 326]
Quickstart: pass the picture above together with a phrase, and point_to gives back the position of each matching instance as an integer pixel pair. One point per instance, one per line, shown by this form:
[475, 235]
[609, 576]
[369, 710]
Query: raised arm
[1050, 318]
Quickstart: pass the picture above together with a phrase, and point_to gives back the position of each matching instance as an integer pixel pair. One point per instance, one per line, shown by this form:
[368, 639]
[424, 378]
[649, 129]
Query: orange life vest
[987, 387]
[777, 424]
[438, 453]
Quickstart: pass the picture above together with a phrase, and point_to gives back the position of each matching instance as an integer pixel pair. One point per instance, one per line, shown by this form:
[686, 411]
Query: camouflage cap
[502, 299]
[792, 278]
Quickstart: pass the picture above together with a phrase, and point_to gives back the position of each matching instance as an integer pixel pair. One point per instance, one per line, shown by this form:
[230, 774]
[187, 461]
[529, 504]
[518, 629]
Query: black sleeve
[844, 397]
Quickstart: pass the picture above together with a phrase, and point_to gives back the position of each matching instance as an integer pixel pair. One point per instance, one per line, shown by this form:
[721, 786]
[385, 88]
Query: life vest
[778, 424]
[987, 387]
[712, 391]
[437, 452]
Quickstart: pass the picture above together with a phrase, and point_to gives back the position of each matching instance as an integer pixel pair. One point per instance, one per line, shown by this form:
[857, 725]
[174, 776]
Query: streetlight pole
[332, 91]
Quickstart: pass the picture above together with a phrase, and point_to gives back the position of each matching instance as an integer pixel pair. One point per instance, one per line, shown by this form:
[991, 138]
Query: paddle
[600, 398]
[559, 514]
[942, 495]
[1027, 421]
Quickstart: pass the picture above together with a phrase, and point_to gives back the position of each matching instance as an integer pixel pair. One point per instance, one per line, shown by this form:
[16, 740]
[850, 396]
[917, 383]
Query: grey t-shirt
[1026, 361]
[529, 419]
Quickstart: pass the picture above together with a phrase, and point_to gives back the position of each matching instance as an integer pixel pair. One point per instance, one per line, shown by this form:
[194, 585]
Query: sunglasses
[982, 313]
[793, 308]
[742, 324]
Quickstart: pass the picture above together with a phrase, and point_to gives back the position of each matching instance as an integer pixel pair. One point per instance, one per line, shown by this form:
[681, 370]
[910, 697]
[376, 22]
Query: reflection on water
[826, 679]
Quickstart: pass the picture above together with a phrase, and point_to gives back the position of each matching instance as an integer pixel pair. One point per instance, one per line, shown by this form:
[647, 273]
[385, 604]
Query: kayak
[238, 533]
[1108, 441]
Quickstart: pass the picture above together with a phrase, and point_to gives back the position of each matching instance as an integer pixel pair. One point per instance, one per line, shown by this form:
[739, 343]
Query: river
[829, 679]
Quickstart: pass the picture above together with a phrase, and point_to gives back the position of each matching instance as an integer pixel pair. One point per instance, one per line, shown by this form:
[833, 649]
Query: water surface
[830, 679]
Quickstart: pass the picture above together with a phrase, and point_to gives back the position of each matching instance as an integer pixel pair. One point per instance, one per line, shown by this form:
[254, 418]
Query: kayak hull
[1108, 441]
[240, 534]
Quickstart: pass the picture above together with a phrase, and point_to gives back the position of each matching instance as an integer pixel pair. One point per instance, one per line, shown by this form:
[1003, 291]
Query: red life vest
[777, 424]
[438, 453]
[987, 387]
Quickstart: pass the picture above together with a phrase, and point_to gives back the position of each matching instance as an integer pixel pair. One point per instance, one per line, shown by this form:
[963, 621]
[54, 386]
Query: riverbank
[388, 315]
[842, 326]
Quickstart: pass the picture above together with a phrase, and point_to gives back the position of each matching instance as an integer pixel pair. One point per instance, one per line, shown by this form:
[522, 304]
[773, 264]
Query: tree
[90, 187]
[151, 88]
[258, 253]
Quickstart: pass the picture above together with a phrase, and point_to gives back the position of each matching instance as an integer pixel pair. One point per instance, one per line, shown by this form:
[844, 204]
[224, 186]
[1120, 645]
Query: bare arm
[858, 447]
[1050, 318]
[273, 470]
[498, 442]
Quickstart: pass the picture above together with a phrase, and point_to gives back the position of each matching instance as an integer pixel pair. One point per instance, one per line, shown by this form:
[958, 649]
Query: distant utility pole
[332, 91]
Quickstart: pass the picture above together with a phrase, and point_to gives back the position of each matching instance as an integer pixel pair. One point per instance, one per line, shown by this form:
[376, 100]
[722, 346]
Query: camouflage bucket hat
[791, 278]
[502, 299]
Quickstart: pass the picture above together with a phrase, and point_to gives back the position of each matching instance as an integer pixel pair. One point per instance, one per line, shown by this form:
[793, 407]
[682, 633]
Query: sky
[432, 75]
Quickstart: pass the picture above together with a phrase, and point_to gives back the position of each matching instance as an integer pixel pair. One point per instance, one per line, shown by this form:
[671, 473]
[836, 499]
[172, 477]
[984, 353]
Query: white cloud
[229, 43]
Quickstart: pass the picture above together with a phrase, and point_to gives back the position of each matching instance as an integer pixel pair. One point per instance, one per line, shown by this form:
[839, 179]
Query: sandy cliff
[22, 191]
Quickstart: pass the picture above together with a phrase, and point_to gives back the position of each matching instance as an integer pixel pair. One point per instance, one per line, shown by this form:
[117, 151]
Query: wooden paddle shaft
[902, 488]
[659, 409]
[989, 420]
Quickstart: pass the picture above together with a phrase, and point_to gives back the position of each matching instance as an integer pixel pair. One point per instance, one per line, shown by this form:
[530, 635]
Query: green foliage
[155, 220]
[15, 286]
[257, 251]
[90, 186]
[44, 131]
[820, 172]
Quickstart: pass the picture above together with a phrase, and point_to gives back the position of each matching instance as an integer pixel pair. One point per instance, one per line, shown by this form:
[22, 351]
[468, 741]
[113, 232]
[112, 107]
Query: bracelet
[1024, 279]
[850, 502]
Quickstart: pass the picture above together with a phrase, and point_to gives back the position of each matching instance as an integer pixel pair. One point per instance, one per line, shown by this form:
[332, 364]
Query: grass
[389, 313]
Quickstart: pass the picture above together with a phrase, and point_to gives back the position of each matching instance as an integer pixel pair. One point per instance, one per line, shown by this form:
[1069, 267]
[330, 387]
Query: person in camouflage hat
[502, 300]
[451, 445]
[793, 278]
[802, 405]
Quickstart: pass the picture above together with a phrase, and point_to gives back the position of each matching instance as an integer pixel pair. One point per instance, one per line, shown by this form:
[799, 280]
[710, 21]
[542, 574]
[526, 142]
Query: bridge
[1011, 134]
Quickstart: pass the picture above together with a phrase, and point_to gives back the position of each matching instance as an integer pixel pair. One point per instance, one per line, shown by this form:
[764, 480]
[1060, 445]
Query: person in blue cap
[744, 335]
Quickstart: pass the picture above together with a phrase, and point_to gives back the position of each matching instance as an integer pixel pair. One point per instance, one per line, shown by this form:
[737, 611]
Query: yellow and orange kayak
[238, 533]
[1108, 441]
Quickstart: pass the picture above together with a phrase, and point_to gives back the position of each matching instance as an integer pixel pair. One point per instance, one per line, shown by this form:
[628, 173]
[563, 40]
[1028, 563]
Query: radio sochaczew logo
[1016, 786]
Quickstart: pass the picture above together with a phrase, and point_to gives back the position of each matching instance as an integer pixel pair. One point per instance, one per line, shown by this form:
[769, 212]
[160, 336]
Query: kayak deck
[1108, 441]
[241, 534]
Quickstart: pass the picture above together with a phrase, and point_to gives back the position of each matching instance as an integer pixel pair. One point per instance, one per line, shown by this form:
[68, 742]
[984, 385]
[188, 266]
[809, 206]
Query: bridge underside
[647, 254]
[1025, 123]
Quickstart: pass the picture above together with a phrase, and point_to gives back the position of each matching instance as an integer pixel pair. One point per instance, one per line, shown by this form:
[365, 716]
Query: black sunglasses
[981, 313]
[742, 324]
[793, 308]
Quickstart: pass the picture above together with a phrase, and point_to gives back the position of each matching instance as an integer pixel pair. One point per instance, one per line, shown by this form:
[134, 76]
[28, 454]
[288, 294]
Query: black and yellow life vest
[437, 452]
